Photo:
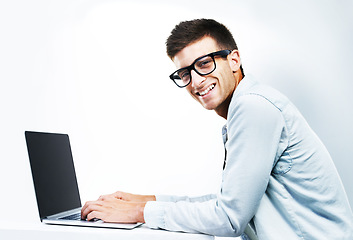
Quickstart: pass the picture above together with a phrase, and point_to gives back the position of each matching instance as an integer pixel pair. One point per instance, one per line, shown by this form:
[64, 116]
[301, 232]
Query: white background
[98, 71]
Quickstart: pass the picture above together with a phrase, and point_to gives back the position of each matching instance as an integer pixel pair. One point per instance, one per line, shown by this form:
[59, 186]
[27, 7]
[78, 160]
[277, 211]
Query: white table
[39, 231]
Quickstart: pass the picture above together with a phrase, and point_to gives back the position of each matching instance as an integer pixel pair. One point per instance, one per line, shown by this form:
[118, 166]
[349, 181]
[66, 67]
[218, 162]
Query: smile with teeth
[206, 90]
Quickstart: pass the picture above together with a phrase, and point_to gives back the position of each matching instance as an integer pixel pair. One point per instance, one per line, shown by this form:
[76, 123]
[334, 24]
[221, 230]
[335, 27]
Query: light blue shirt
[278, 177]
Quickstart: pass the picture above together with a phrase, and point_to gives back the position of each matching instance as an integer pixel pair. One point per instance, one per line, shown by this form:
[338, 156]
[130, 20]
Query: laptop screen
[53, 172]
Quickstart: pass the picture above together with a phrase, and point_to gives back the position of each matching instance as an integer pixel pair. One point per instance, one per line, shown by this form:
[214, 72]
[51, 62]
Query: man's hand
[118, 207]
[130, 197]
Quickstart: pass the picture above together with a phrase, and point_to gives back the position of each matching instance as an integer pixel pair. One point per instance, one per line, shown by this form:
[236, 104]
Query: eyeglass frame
[191, 67]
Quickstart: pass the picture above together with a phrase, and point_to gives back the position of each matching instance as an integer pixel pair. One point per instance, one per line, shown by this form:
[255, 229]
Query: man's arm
[254, 131]
[112, 207]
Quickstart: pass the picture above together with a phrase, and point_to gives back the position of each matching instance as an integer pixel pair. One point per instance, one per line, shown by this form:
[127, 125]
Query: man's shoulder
[250, 91]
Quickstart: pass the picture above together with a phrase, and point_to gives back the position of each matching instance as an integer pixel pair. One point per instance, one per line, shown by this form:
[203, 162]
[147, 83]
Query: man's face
[213, 91]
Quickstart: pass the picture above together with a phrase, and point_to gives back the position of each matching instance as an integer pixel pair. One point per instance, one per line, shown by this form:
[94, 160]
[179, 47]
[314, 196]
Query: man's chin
[208, 106]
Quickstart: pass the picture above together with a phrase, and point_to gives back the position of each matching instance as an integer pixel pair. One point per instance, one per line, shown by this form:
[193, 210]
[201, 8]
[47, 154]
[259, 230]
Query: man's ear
[234, 60]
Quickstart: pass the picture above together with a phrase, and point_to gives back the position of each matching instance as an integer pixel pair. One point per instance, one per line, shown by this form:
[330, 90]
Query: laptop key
[92, 220]
[76, 216]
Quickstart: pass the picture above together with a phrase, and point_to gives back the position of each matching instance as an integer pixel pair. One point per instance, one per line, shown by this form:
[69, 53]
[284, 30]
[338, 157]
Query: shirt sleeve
[255, 126]
[168, 198]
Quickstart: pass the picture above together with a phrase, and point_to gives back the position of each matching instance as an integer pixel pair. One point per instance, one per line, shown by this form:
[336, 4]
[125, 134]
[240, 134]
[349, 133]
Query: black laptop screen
[53, 172]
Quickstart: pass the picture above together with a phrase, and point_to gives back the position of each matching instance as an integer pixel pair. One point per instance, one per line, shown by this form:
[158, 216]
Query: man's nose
[196, 79]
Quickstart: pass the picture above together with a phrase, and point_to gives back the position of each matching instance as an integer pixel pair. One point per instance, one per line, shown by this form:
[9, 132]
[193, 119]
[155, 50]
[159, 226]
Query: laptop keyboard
[75, 216]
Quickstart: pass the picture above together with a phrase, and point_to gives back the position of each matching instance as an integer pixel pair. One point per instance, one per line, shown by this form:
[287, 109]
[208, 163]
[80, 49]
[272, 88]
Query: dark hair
[188, 32]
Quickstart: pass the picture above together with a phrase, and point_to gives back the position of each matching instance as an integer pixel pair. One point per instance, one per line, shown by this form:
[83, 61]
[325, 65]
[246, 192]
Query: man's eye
[204, 63]
[184, 75]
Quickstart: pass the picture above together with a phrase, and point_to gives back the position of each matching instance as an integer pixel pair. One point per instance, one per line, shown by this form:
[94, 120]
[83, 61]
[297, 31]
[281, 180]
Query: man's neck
[223, 108]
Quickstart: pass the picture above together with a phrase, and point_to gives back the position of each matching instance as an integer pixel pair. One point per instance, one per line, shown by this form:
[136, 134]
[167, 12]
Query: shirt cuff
[154, 213]
[166, 198]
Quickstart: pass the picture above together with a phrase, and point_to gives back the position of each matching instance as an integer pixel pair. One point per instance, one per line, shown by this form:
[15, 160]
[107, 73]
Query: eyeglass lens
[202, 66]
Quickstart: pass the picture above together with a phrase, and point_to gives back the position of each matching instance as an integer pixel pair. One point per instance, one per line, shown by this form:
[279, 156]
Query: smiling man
[278, 178]
[216, 92]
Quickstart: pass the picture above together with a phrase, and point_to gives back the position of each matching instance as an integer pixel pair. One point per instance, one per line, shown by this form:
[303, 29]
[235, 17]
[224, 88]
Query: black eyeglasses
[203, 65]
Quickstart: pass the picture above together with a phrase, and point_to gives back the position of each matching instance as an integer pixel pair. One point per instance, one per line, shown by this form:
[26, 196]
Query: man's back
[304, 197]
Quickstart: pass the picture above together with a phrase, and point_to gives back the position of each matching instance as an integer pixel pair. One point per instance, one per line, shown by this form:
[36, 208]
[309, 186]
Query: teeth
[207, 90]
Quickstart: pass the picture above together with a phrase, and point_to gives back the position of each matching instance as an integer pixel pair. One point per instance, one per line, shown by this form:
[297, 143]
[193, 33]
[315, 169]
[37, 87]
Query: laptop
[55, 182]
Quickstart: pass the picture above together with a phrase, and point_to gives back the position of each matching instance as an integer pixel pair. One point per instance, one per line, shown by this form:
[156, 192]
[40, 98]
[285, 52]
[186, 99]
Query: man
[278, 176]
